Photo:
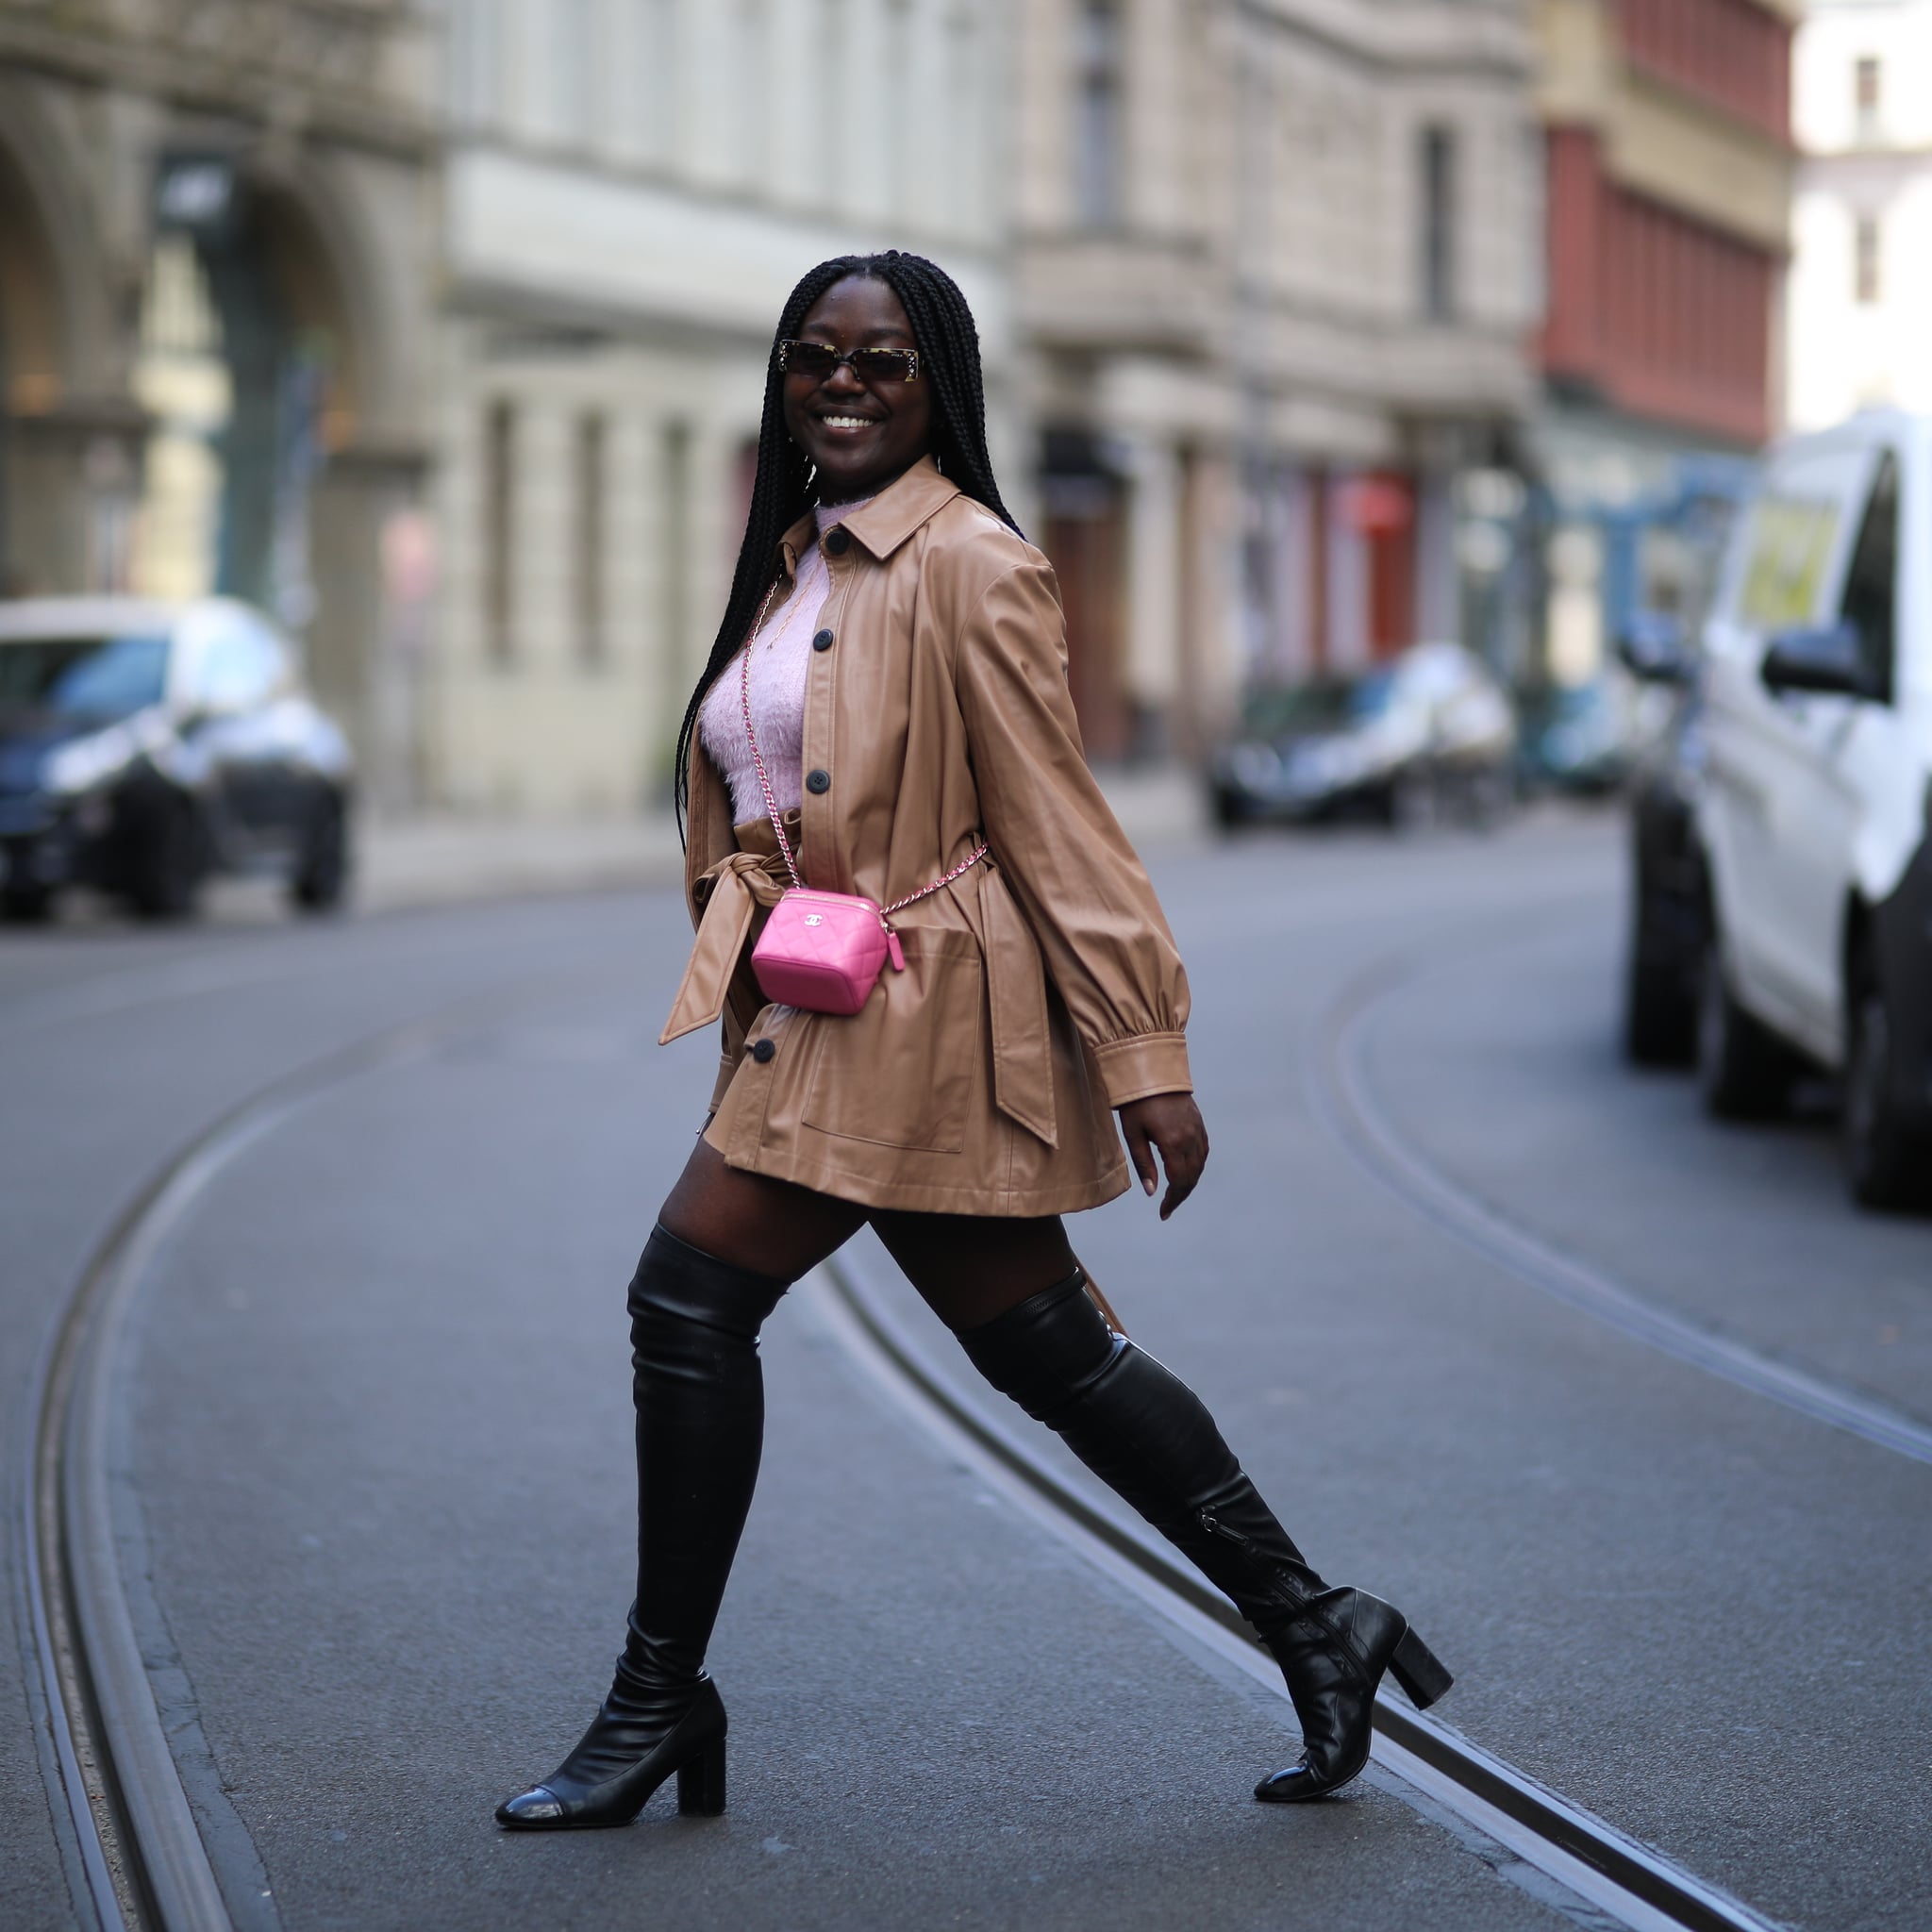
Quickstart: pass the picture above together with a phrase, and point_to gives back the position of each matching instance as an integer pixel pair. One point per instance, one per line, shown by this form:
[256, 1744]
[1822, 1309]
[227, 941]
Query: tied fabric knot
[735, 889]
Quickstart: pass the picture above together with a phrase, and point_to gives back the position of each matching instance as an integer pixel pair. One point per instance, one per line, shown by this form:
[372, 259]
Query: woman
[906, 693]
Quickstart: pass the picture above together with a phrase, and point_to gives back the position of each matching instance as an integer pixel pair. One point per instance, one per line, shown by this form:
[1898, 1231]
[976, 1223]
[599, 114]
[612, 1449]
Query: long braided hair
[948, 343]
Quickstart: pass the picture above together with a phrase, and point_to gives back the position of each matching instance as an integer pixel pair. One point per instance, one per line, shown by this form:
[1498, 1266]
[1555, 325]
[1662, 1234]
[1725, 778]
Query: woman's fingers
[1184, 1162]
[1171, 1127]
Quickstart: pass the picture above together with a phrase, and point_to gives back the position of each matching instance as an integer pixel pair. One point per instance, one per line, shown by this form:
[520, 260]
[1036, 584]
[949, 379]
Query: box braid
[948, 343]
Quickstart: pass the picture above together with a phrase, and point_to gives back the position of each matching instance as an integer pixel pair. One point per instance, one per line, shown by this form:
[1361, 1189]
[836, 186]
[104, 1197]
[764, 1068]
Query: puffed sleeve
[1083, 890]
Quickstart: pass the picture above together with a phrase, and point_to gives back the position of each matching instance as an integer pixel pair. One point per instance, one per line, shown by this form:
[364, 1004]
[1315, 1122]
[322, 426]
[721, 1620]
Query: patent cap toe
[535, 1806]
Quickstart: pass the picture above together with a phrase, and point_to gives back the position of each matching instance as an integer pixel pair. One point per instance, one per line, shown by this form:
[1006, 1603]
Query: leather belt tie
[740, 885]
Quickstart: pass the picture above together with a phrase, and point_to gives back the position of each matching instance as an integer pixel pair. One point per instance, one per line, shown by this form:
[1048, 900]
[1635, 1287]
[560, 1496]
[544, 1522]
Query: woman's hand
[1170, 1126]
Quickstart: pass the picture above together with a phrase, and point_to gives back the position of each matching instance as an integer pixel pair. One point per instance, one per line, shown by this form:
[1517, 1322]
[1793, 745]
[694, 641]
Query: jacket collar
[887, 520]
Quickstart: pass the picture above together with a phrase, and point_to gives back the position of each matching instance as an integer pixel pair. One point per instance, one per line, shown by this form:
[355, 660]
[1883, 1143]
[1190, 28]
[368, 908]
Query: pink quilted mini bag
[823, 952]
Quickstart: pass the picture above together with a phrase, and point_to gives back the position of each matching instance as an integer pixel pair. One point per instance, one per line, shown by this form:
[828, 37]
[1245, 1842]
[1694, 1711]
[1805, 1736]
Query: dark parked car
[1432, 727]
[143, 745]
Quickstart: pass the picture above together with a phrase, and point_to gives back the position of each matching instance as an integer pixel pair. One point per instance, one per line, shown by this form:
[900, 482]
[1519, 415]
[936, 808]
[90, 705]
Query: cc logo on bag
[814, 919]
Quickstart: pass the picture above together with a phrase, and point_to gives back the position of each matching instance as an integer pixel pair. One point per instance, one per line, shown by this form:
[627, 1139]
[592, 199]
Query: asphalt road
[373, 1473]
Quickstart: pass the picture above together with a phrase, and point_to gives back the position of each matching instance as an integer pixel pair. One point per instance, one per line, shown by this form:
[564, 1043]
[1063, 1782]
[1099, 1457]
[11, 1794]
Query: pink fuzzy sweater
[781, 655]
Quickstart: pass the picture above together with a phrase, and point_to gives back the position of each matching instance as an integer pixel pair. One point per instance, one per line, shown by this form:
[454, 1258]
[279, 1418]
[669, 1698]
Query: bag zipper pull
[892, 948]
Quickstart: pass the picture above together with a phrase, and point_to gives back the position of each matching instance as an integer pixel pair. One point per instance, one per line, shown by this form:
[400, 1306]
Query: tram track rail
[144, 1858]
[1345, 1101]
[144, 1863]
[1610, 1873]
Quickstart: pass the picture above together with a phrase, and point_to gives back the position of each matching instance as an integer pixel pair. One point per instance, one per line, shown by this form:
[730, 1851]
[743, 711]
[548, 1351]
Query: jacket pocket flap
[1016, 996]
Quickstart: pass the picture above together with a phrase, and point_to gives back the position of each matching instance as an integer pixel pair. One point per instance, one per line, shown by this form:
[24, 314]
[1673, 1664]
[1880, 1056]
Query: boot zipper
[1277, 1585]
[1214, 1527]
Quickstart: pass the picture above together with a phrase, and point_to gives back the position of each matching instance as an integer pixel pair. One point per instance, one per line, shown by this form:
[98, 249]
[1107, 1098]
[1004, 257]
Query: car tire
[168, 863]
[1410, 803]
[1887, 1158]
[1493, 796]
[1744, 1071]
[28, 902]
[323, 870]
[1660, 1016]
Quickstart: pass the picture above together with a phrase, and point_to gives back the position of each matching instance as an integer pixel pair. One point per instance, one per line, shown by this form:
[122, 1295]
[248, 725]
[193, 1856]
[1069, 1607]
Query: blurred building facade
[1277, 271]
[438, 329]
[632, 186]
[1860, 314]
[216, 320]
[1670, 174]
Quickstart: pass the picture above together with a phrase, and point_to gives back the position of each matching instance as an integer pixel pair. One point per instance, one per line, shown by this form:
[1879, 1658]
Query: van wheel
[1744, 1071]
[1659, 1019]
[1888, 1159]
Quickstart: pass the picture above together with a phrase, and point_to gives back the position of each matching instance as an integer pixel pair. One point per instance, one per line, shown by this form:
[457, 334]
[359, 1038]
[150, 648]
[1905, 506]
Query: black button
[818, 781]
[836, 541]
[822, 641]
[763, 1051]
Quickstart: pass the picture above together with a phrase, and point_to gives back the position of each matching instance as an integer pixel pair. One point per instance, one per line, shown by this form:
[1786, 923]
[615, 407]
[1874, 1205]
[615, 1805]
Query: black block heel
[701, 1783]
[1415, 1667]
[642, 1735]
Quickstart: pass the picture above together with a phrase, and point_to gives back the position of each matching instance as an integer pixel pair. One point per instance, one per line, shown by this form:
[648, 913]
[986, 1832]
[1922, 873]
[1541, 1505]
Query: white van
[1814, 814]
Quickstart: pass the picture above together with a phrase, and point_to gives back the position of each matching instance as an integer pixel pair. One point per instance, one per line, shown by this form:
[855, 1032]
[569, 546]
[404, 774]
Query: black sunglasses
[819, 360]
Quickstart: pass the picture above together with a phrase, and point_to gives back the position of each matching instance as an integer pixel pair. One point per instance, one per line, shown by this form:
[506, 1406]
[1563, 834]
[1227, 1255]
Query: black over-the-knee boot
[1150, 1439]
[699, 1427]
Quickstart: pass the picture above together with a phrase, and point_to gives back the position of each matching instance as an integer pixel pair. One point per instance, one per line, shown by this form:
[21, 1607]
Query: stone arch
[62, 406]
[32, 337]
[324, 274]
[315, 242]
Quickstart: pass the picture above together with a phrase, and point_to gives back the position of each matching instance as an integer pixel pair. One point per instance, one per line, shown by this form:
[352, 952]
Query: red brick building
[1669, 161]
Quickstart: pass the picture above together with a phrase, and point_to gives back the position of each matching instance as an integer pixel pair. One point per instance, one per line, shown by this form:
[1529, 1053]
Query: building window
[475, 60]
[1097, 115]
[749, 117]
[499, 531]
[896, 106]
[963, 104]
[588, 559]
[1865, 95]
[831, 139]
[660, 89]
[573, 73]
[682, 650]
[1438, 205]
[1865, 261]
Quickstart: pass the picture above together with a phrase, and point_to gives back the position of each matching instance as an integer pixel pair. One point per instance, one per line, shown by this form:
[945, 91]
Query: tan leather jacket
[1041, 988]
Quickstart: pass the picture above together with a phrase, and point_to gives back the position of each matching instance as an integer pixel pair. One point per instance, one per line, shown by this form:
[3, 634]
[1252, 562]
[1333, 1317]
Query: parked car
[1812, 821]
[1580, 738]
[1432, 727]
[145, 745]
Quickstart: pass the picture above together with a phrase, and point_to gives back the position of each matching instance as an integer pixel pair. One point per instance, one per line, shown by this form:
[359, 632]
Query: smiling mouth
[848, 423]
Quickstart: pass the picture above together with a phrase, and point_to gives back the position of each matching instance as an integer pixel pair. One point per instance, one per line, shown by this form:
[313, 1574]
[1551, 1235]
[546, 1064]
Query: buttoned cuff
[1143, 1064]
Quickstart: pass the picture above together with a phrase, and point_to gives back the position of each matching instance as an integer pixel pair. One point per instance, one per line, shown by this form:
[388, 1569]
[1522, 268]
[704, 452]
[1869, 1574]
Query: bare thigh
[770, 1227]
[972, 1268]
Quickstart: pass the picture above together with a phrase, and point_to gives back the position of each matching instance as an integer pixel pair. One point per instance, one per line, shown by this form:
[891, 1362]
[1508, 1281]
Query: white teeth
[846, 422]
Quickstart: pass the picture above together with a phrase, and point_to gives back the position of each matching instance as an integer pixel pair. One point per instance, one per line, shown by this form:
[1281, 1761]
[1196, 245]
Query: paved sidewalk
[436, 860]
